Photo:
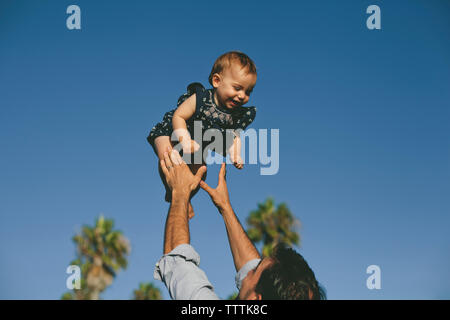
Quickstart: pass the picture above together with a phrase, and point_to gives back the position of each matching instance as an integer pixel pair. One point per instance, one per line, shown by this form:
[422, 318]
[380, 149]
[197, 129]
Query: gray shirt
[180, 272]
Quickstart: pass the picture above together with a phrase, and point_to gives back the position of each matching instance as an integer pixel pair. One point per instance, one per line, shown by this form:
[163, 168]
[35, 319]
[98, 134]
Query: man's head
[233, 76]
[285, 275]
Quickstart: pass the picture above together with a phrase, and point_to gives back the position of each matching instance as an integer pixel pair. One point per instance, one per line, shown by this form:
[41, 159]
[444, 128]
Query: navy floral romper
[209, 113]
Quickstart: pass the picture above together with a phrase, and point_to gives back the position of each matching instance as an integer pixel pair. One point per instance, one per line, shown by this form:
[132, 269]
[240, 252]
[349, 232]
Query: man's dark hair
[289, 278]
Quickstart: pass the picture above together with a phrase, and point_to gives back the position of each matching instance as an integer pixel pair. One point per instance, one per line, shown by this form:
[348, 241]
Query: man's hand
[178, 176]
[219, 195]
[182, 182]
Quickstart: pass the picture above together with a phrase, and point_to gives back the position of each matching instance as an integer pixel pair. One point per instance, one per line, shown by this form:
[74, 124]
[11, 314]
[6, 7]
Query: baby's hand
[190, 146]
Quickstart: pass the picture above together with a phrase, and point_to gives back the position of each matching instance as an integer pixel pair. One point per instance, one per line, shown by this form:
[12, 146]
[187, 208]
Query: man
[284, 275]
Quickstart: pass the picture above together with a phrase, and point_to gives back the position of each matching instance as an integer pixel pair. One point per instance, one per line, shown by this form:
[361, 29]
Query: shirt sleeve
[252, 264]
[180, 272]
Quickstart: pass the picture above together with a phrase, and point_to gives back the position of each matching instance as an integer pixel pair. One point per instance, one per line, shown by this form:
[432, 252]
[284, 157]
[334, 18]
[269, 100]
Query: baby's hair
[226, 60]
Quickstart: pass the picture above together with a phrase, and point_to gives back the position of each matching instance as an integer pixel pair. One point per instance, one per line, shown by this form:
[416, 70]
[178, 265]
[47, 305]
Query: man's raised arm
[181, 181]
[179, 266]
[242, 248]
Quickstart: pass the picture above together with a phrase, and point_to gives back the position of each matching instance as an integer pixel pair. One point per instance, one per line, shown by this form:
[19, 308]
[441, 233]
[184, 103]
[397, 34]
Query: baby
[233, 78]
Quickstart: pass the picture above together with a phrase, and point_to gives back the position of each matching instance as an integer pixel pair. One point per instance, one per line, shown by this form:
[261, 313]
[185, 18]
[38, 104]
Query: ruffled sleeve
[194, 87]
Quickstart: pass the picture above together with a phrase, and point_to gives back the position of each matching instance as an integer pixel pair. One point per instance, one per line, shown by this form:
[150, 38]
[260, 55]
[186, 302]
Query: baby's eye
[237, 88]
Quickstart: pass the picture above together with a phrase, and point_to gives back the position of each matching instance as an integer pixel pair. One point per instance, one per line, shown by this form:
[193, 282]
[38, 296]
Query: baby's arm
[185, 111]
[235, 153]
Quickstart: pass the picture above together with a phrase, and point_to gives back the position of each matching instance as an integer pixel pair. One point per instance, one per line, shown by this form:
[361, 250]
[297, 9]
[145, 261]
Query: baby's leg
[161, 144]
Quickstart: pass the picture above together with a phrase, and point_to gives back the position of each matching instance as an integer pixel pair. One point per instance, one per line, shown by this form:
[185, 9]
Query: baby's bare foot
[238, 163]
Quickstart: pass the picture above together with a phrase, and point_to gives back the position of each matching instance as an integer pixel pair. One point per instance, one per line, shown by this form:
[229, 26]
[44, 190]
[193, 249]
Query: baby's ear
[215, 80]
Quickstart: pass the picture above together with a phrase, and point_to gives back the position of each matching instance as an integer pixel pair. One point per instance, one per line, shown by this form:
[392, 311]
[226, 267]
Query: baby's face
[233, 86]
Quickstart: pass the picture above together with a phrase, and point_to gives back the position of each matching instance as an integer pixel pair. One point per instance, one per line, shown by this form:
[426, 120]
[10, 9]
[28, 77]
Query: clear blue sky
[364, 136]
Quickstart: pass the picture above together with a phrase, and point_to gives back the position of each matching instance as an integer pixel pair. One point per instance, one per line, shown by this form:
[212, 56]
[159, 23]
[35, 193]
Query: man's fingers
[163, 167]
[167, 160]
[205, 187]
[200, 172]
[173, 157]
[223, 172]
[176, 158]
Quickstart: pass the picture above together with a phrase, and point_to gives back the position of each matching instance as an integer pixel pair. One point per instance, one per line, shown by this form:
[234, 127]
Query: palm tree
[147, 291]
[271, 225]
[233, 296]
[101, 253]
